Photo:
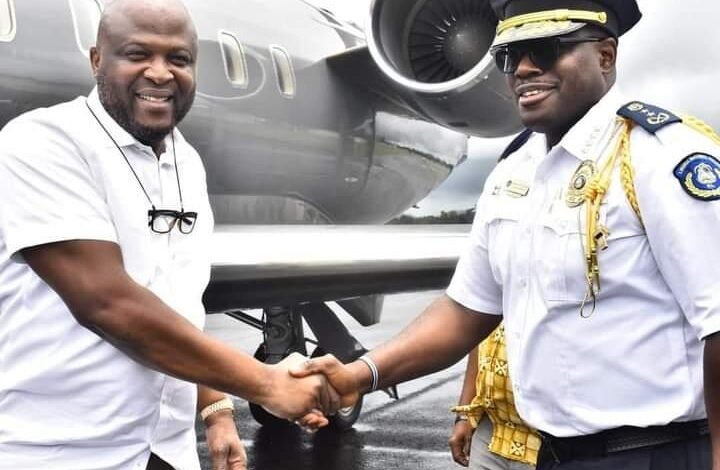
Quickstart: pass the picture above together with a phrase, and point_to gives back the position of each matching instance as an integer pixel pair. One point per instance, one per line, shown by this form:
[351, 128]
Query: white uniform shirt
[68, 399]
[638, 359]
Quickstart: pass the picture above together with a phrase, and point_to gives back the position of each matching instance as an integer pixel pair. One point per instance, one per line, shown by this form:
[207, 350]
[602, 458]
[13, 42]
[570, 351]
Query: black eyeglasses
[164, 220]
[542, 52]
[159, 220]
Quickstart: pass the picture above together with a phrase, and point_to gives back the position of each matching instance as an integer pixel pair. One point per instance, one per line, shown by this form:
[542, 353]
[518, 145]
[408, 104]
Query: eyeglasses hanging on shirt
[159, 220]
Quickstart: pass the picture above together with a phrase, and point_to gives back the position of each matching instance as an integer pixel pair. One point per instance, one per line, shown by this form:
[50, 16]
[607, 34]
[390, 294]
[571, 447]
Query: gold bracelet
[224, 404]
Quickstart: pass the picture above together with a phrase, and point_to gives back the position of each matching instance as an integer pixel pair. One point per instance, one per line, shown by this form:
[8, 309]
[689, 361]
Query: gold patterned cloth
[512, 438]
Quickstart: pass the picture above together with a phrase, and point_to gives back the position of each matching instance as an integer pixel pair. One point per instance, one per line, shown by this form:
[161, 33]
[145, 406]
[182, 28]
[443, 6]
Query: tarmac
[406, 434]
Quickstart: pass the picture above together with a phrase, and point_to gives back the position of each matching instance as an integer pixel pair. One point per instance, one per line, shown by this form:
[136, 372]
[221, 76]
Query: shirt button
[522, 282]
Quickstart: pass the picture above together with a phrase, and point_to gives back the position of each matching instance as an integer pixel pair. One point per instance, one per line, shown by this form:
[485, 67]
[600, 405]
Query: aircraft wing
[259, 266]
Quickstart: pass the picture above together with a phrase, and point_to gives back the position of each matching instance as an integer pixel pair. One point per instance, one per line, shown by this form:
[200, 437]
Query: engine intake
[438, 51]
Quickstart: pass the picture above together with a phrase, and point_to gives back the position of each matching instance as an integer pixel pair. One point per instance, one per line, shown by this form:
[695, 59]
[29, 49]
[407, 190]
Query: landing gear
[343, 420]
[283, 334]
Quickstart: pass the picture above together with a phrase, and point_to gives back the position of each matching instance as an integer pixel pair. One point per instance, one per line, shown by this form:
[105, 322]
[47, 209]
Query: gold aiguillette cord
[597, 234]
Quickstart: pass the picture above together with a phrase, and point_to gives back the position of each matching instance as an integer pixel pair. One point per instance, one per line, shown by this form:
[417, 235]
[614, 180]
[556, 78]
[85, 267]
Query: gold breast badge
[575, 195]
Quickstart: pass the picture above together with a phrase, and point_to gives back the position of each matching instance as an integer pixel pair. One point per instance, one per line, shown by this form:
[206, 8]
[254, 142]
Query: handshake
[306, 391]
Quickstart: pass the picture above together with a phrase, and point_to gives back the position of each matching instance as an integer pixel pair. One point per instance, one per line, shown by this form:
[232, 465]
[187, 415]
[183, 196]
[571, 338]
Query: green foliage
[445, 217]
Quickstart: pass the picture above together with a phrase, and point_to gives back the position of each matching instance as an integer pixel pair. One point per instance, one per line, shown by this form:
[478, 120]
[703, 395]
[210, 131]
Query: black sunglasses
[542, 52]
[164, 220]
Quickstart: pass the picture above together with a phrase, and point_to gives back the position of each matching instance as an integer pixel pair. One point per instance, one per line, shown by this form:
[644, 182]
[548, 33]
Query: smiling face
[551, 101]
[144, 65]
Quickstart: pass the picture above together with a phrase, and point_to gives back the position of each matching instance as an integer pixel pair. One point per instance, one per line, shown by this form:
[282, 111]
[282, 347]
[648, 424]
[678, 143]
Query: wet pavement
[410, 433]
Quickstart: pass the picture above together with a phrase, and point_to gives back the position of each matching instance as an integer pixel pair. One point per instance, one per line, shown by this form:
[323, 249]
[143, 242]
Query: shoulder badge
[651, 118]
[699, 176]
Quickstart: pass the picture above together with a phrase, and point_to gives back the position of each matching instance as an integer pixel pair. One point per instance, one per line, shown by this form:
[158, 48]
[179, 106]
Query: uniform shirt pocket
[504, 221]
[561, 265]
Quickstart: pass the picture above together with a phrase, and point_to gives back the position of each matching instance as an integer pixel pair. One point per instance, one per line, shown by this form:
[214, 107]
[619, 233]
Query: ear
[94, 60]
[607, 49]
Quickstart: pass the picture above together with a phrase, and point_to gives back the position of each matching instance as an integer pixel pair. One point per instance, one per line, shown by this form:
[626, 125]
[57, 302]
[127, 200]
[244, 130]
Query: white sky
[670, 59]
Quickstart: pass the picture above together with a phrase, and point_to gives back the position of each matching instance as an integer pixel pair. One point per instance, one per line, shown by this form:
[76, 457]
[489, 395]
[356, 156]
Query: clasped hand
[306, 391]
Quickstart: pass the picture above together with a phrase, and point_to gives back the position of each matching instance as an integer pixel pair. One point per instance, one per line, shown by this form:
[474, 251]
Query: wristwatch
[224, 404]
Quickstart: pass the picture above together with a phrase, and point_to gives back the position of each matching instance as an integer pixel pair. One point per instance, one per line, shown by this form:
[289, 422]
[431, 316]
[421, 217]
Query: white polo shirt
[638, 359]
[68, 399]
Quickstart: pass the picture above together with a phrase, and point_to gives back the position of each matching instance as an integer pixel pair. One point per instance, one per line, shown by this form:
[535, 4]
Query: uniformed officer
[597, 241]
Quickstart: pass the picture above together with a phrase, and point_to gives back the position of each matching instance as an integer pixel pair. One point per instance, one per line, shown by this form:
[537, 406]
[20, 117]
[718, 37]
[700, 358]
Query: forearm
[141, 325]
[438, 338]
[712, 393]
[90, 278]
[471, 370]
[208, 396]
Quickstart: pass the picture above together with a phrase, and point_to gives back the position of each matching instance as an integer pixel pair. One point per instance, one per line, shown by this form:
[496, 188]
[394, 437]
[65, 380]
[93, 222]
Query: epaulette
[649, 117]
[516, 143]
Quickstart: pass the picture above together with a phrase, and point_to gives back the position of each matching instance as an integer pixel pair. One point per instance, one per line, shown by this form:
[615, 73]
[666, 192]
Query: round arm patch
[699, 176]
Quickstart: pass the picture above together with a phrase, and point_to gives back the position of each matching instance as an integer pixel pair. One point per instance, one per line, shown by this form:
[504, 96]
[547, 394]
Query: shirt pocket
[561, 265]
[503, 221]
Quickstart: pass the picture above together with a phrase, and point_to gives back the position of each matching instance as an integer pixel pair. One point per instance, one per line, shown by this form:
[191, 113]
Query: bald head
[152, 12]
[144, 63]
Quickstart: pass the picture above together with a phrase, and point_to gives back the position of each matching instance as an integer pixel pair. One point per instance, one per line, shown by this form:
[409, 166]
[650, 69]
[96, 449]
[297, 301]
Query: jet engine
[437, 51]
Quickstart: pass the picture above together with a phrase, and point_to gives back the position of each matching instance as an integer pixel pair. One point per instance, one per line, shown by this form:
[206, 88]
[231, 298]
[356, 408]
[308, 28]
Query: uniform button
[522, 282]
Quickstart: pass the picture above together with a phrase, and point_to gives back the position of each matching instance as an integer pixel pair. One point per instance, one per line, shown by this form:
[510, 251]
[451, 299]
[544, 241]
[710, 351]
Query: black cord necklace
[159, 220]
[177, 173]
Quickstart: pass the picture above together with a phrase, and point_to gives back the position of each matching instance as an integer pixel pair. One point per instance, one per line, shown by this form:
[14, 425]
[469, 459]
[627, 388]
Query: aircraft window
[284, 71]
[234, 58]
[7, 20]
[86, 16]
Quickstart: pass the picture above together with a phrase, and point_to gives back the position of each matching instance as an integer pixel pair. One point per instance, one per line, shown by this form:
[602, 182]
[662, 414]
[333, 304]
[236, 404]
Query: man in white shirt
[104, 230]
[596, 239]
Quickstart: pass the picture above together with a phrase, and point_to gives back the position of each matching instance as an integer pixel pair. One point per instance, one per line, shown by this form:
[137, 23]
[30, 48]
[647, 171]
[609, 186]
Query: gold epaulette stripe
[552, 15]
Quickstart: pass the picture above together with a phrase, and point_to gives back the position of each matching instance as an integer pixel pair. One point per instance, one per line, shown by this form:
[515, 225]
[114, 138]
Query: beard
[121, 111]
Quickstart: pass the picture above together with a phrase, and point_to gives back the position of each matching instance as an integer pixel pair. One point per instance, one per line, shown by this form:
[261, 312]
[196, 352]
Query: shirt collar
[585, 137]
[119, 135]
